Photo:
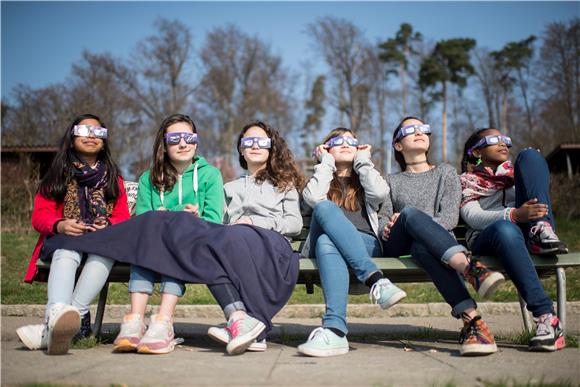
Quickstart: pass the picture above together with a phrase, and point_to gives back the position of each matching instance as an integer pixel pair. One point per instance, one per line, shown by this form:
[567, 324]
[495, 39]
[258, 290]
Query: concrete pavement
[385, 351]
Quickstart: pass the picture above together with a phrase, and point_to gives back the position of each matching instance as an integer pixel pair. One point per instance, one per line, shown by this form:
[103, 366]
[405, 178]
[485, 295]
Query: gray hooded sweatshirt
[264, 204]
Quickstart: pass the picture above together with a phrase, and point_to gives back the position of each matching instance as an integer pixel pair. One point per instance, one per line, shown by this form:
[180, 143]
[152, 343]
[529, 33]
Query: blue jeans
[431, 246]
[506, 241]
[142, 280]
[338, 245]
[532, 180]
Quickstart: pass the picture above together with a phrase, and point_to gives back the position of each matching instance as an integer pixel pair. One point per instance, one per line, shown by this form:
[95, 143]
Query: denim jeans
[61, 279]
[506, 241]
[328, 221]
[142, 280]
[228, 297]
[431, 246]
[338, 245]
[532, 180]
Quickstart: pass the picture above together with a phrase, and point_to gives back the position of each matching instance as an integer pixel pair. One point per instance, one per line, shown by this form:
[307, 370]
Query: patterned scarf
[481, 181]
[85, 194]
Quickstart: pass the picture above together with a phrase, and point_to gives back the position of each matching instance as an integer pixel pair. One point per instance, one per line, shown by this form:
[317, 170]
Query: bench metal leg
[101, 310]
[525, 314]
[561, 289]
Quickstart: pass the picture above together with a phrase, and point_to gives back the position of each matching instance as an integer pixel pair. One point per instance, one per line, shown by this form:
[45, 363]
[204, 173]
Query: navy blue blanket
[260, 263]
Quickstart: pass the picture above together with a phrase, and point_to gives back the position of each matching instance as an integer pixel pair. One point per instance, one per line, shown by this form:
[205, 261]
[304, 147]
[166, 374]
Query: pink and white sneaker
[243, 332]
[132, 330]
[159, 338]
[222, 335]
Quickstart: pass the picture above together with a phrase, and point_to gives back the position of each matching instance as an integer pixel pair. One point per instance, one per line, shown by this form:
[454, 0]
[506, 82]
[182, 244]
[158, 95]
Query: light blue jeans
[61, 279]
[338, 245]
[142, 280]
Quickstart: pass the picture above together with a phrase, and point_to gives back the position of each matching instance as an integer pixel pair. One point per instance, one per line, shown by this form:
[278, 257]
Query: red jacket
[47, 212]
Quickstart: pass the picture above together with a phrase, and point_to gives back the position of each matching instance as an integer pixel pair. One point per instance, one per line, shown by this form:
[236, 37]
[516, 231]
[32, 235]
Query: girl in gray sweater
[421, 211]
[267, 197]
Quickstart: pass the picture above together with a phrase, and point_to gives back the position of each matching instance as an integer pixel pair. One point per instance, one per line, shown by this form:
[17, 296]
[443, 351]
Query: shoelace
[544, 228]
[469, 329]
[234, 329]
[320, 331]
[375, 292]
[158, 328]
[543, 324]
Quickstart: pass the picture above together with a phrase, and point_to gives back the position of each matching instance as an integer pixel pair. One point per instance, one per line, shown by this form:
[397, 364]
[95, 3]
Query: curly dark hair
[467, 158]
[163, 174]
[350, 196]
[60, 173]
[281, 169]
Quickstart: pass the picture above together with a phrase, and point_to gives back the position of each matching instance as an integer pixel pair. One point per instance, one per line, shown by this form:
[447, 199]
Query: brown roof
[29, 148]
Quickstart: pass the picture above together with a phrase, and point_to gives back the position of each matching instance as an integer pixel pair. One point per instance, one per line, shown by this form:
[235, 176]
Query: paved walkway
[387, 351]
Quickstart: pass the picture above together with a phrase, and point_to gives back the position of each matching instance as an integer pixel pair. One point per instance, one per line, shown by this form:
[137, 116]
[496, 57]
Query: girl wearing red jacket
[81, 192]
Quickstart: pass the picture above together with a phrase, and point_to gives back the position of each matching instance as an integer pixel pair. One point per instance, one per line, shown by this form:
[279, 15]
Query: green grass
[17, 247]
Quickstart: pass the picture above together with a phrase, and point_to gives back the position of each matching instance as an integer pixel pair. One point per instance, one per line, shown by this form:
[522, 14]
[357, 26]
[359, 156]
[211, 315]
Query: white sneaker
[222, 335]
[64, 321]
[33, 336]
[323, 342]
[386, 294]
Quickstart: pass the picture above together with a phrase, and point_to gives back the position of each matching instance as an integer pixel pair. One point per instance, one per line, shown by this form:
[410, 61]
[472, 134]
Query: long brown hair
[399, 158]
[60, 173]
[351, 195]
[163, 173]
[281, 169]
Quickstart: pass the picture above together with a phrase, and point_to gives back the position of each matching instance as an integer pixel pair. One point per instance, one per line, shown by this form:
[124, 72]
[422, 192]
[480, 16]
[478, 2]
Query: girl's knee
[506, 231]
[530, 155]
[410, 213]
[61, 254]
[324, 207]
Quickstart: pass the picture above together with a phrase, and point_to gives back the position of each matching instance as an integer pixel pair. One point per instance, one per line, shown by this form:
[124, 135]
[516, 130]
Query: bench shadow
[395, 336]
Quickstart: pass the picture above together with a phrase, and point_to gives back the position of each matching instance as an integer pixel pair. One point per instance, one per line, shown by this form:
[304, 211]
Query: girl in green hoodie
[179, 180]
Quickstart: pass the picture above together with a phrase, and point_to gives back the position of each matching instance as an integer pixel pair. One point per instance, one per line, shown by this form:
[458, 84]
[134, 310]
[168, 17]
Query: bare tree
[345, 51]
[241, 80]
[560, 78]
[397, 51]
[314, 107]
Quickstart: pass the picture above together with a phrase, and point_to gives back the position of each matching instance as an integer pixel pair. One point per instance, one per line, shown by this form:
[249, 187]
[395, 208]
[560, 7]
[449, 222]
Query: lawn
[17, 247]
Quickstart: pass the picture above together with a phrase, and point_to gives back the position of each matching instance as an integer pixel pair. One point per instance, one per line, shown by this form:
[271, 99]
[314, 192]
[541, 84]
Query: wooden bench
[399, 270]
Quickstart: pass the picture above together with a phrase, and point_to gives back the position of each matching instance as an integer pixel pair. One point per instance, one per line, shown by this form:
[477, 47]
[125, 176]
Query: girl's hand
[98, 224]
[162, 209]
[389, 226]
[71, 227]
[530, 210]
[192, 208]
[365, 147]
[319, 151]
[243, 220]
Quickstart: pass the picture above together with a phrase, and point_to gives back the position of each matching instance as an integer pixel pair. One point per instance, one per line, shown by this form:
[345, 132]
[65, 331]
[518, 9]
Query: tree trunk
[444, 153]
[504, 109]
[527, 105]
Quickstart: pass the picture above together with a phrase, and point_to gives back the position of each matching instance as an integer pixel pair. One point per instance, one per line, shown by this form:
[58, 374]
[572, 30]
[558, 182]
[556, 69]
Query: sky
[41, 40]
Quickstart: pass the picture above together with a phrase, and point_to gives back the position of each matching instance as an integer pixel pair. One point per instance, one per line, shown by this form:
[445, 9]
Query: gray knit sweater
[436, 192]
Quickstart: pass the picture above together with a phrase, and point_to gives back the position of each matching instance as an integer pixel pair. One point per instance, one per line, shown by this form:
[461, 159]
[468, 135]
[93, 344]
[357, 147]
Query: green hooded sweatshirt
[201, 184]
